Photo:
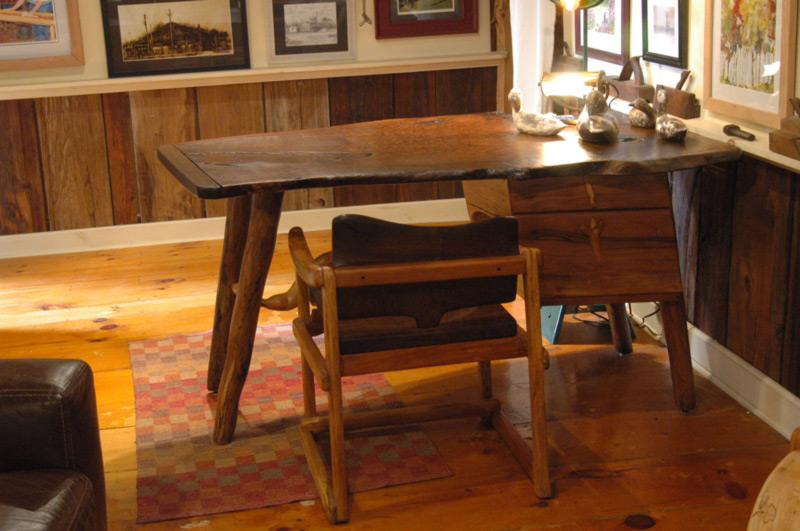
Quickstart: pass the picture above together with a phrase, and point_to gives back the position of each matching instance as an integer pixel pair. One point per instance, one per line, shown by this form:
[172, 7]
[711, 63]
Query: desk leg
[680, 359]
[236, 225]
[620, 328]
[263, 227]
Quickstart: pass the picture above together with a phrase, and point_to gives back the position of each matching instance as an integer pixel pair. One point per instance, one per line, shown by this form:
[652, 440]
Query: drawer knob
[594, 231]
[589, 191]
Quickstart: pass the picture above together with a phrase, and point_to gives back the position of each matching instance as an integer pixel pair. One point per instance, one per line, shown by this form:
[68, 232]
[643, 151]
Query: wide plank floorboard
[617, 444]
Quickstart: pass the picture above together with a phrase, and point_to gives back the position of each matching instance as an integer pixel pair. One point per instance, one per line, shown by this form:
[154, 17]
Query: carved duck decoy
[668, 127]
[595, 123]
[642, 114]
[532, 123]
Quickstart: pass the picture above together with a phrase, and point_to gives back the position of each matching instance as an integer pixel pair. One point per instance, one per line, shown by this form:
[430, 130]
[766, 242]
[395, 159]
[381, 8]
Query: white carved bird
[532, 123]
[668, 127]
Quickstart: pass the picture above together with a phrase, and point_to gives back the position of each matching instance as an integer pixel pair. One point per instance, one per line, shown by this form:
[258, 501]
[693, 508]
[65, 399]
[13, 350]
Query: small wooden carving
[595, 123]
[681, 103]
[630, 89]
[786, 140]
[668, 127]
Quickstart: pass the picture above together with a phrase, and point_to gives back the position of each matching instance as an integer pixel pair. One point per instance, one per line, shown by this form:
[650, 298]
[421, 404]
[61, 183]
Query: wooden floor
[618, 446]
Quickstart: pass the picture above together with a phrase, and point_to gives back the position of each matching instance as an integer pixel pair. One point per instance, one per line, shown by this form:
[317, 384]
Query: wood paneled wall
[90, 161]
[739, 240]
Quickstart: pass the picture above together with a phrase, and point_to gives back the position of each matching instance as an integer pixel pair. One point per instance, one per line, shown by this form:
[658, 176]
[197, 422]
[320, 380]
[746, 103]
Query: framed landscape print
[665, 31]
[750, 74]
[147, 37]
[416, 18]
[609, 31]
[47, 35]
[310, 30]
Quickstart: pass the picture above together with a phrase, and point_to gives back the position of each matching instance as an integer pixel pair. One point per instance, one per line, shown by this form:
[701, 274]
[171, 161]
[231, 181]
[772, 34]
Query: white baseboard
[114, 237]
[763, 396]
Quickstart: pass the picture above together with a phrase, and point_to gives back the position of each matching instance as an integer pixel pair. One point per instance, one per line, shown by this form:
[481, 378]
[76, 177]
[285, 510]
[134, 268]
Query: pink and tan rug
[182, 473]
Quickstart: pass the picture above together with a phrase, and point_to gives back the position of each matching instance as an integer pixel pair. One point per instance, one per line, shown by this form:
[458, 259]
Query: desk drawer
[615, 253]
[589, 192]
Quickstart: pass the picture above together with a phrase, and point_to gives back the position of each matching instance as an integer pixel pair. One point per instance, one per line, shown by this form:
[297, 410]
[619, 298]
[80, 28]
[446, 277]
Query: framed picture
[310, 30]
[43, 36]
[750, 74]
[416, 18]
[665, 31]
[148, 37]
[609, 31]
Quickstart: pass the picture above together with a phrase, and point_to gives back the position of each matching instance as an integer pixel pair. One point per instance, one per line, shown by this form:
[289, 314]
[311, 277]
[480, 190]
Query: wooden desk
[254, 171]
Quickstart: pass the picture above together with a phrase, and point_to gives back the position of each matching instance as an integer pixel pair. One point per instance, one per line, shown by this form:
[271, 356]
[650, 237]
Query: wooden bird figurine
[532, 123]
[642, 114]
[595, 123]
[668, 127]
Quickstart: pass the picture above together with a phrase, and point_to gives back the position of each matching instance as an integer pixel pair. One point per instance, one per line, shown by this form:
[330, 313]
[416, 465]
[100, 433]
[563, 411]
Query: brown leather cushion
[46, 499]
[387, 333]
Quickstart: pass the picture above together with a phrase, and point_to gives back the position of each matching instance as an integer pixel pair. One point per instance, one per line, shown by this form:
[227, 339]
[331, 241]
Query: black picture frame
[612, 46]
[288, 42]
[179, 36]
[665, 32]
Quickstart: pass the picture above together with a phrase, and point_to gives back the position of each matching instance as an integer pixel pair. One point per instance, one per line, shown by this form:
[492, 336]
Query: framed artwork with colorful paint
[39, 34]
[750, 59]
[608, 33]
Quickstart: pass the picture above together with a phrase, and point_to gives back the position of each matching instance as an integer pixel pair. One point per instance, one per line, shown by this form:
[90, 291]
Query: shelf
[235, 77]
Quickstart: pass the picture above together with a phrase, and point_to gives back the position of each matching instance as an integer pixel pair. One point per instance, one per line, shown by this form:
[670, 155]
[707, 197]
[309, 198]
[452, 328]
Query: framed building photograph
[608, 31]
[750, 74]
[310, 30]
[417, 18]
[146, 37]
[665, 31]
[40, 34]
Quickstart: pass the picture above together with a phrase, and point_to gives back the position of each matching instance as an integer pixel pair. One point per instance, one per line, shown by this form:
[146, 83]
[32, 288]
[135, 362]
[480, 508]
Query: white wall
[367, 47]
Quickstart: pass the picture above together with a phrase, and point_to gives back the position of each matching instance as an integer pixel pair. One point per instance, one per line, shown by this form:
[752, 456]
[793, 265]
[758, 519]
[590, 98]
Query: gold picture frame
[64, 49]
[760, 106]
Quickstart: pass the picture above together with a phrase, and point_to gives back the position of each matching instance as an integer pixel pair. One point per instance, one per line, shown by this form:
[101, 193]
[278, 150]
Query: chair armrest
[48, 420]
[307, 269]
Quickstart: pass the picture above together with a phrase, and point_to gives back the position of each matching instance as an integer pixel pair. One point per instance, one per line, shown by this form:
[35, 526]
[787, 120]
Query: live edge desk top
[463, 147]
[253, 171]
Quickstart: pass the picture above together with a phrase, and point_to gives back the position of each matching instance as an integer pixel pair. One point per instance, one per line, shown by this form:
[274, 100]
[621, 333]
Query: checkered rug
[182, 473]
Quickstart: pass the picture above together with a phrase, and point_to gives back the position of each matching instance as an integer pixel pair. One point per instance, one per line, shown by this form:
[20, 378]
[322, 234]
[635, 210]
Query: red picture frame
[403, 18]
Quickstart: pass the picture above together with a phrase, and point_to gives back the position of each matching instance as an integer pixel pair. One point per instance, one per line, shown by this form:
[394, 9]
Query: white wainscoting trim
[760, 394]
[114, 237]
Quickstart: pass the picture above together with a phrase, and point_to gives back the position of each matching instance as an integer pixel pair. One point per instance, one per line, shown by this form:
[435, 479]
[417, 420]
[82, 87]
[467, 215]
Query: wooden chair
[394, 296]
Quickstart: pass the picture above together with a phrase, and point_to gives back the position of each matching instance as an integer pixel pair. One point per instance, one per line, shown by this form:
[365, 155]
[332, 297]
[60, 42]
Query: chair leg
[485, 372]
[309, 391]
[338, 468]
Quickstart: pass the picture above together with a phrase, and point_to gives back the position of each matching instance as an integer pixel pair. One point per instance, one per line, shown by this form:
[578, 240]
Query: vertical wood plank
[163, 117]
[292, 105]
[362, 99]
[415, 96]
[22, 200]
[464, 91]
[759, 265]
[121, 160]
[790, 370]
[717, 196]
[685, 212]
[74, 162]
[228, 111]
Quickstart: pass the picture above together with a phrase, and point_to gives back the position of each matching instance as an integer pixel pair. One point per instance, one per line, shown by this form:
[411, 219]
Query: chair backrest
[361, 240]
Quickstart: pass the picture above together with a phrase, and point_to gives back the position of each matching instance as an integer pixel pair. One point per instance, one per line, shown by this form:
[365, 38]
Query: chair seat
[387, 333]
